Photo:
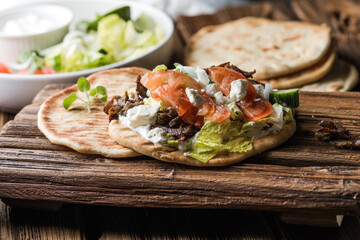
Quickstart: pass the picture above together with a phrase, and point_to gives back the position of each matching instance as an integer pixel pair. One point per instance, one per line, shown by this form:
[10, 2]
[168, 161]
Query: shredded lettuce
[240, 144]
[288, 116]
[210, 140]
[236, 136]
[114, 39]
[236, 113]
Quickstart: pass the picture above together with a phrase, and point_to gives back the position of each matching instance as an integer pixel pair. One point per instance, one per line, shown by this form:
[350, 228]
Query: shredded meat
[120, 105]
[171, 122]
[336, 134]
[182, 133]
[140, 89]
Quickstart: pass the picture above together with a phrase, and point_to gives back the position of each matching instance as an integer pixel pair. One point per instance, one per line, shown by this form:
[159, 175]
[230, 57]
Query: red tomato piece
[256, 109]
[4, 68]
[170, 86]
[253, 107]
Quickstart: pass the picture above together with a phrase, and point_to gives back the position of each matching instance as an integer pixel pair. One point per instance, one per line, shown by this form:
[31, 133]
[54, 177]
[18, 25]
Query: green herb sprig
[84, 86]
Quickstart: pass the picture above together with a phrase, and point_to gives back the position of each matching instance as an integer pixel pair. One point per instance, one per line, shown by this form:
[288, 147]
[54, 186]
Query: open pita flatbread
[128, 138]
[83, 132]
[342, 77]
[273, 48]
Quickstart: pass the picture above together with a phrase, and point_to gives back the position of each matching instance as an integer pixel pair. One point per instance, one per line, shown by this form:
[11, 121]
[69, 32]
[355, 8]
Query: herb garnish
[84, 86]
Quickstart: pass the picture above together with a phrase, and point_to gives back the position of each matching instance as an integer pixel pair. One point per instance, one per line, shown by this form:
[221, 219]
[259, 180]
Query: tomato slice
[256, 109]
[253, 106]
[169, 86]
[4, 68]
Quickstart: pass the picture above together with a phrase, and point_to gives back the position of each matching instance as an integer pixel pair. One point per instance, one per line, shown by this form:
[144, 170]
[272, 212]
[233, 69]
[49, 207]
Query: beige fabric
[126, 137]
[273, 48]
[342, 77]
[306, 76]
[83, 132]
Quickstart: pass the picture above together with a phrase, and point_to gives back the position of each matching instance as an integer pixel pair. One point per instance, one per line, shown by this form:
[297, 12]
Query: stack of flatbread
[287, 54]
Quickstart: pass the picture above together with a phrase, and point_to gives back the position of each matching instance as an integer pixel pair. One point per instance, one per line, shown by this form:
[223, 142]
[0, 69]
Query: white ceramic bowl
[19, 90]
[12, 46]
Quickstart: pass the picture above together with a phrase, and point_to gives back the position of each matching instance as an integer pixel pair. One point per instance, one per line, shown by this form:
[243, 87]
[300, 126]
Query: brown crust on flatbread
[342, 77]
[129, 138]
[83, 132]
[252, 49]
[305, 76]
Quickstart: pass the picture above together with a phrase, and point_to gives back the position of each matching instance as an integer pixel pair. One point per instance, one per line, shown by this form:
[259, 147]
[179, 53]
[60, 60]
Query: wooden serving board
[302, 174]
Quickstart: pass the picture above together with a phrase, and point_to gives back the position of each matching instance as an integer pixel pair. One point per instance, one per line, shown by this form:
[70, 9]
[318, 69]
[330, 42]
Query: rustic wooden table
[74, 221]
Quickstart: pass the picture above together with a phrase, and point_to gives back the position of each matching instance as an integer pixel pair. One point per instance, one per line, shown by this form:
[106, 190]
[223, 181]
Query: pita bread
[273, 48]
[83, 132]
[129, 138]
[306, 76]
[343, 77]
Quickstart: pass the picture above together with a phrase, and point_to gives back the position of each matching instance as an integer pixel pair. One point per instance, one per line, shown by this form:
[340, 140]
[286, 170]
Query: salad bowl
[19, 90]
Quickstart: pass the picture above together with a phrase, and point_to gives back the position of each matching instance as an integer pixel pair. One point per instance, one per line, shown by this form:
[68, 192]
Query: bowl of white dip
[32, 27]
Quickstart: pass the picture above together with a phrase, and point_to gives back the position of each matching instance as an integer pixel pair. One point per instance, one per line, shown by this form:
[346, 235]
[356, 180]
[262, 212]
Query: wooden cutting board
[301, 174]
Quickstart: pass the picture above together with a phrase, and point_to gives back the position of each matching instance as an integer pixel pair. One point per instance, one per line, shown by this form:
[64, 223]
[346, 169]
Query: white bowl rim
[86, 72]
[14, 11]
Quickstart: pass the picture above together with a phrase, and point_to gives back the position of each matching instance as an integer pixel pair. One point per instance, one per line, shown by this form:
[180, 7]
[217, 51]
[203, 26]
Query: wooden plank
[301, 174]
[41, 205]
[312, 218]
[19, 223]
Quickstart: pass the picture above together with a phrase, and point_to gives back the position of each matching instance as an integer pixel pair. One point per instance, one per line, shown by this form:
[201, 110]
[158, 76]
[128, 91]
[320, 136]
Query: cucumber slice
[287, 98]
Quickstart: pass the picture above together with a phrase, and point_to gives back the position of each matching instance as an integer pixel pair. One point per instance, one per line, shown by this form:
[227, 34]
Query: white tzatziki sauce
[28, 24]
[140, 118]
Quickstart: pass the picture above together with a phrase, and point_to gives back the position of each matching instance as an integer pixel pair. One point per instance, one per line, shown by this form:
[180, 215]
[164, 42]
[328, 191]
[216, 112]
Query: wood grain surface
[301, 174]
[109, 223]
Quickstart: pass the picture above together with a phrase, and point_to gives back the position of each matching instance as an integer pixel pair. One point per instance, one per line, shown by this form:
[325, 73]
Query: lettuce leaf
[210, 140]
[240, 144]
[236, 136]
[116, 39]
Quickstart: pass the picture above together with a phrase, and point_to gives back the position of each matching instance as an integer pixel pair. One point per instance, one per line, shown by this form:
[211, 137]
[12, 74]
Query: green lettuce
[121, 39]
[114, 39]
[240, 144]
[236, 113]
[236, 136]
[210, 140]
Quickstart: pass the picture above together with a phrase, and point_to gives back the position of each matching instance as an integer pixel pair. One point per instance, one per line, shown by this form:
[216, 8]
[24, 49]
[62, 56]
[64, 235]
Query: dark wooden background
[94, 222]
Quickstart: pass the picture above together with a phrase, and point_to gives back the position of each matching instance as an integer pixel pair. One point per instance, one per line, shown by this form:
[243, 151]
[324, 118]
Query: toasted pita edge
[342, 77]
[129, 138]
[305, 76]
[44, 125]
